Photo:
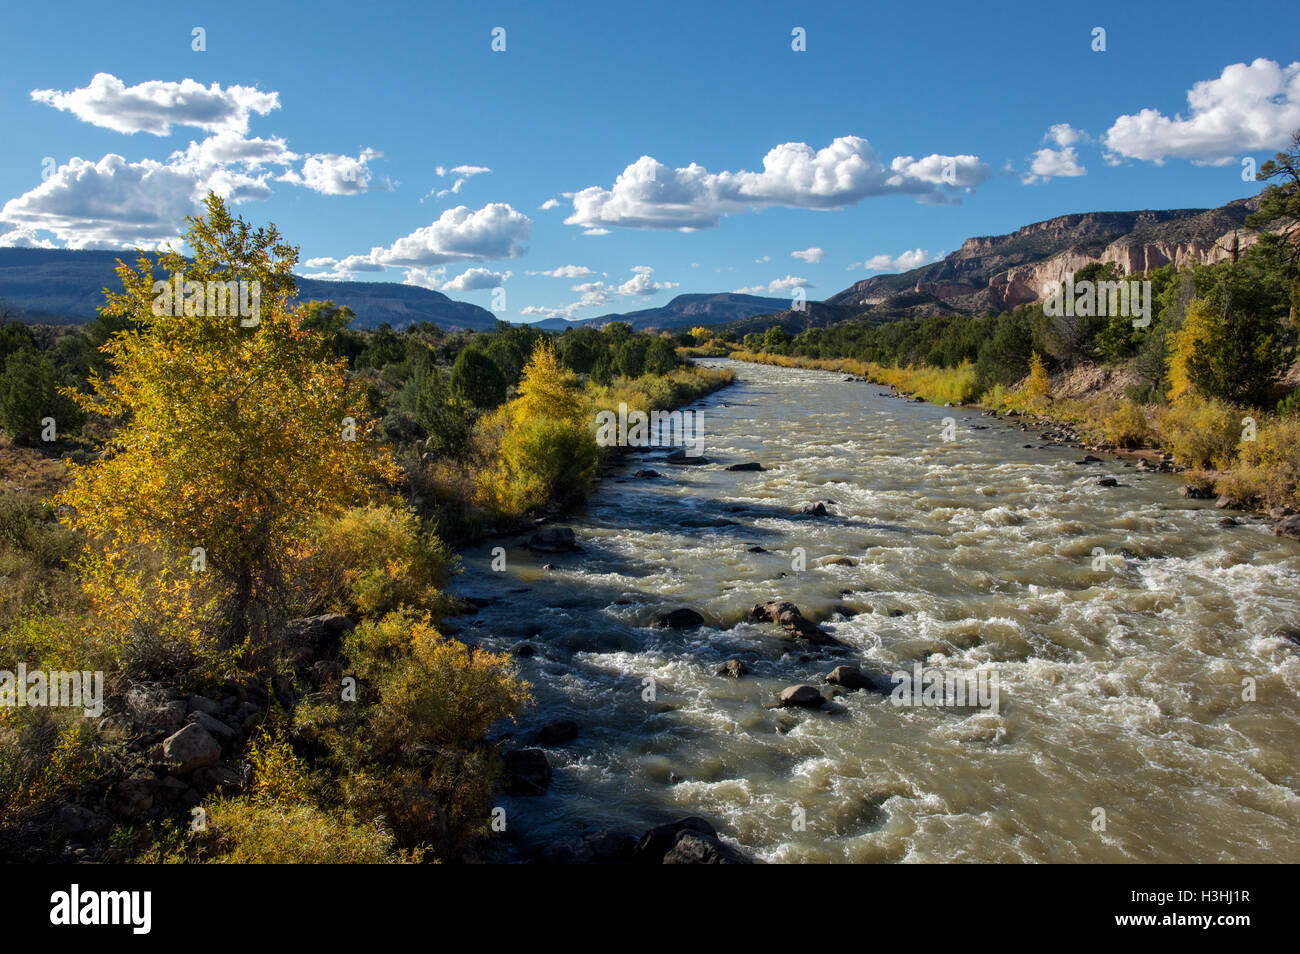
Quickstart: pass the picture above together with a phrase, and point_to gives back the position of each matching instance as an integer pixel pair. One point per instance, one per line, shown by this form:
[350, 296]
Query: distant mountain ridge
[65, 286]
[1000, 272]
[986, 274]
[683, 311]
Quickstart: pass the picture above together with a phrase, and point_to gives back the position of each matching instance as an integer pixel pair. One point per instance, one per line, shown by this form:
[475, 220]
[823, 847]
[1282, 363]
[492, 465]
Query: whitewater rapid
[1126, 689]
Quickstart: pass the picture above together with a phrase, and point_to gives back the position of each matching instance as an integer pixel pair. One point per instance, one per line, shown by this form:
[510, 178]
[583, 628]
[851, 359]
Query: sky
[581, 159]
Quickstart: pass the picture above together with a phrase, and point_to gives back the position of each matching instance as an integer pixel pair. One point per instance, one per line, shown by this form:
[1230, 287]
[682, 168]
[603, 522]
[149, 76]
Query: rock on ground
[191, 748]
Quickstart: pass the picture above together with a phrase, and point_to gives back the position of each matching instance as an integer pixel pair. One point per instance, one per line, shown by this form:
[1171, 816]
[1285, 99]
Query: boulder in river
[1107, 482]
[685, 459]
[659, 840]
[748, 465]
[681, 618]
[816, 509]
[647, 474]
[801, 696]
[733, 668]
[557, 732]
[1195, 491]
[697, 848]
[787, 616]
[553, 540]
[527, 771]
[850, 677]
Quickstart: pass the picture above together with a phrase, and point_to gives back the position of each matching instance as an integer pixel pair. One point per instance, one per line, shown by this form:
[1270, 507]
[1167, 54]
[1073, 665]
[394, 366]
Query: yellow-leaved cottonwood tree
[233, 434]
[542, 445]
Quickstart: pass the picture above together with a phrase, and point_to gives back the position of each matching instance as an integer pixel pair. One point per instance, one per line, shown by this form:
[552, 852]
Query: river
[1147, 710]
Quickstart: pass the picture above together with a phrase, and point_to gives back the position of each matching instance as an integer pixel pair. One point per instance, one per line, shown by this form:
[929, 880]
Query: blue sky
[900, 129]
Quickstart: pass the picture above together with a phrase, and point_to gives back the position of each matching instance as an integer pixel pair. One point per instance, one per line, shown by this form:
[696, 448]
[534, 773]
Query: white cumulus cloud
[566, 271]
[898, 263]
[651, 195]
[1248, 108]
[331, 174]
[155, 106]
[810, 255]
[476, 279]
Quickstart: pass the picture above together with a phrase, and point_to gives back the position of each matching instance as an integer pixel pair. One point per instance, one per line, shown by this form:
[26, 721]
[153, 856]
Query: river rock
[734, 668]
[1192, 491]
[527, 771]
[647, 474]
[1288, 527]
[682, 618]
[755, 549]
[557, 732]
[659, 840]
[817, 509]
[850, 677]
[748, 465]
[191, 748]
[697, 848]
[1107, 482]
[801, 696]
[685, 459]
[553, 540]
[787, 616]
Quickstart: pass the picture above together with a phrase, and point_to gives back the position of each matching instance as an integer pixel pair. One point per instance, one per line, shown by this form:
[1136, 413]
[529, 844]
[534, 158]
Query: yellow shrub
[1037, 385]
[278, 773]
[369, 560]
[1200, 432]
[442, 691]
[258, 831]
[1269, 470]
[1125, 424]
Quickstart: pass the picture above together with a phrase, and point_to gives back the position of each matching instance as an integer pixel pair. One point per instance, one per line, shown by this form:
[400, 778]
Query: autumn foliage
[231, 439]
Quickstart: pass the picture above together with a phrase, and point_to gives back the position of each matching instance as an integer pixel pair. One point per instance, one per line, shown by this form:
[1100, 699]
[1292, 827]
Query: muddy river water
[1148, 709]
